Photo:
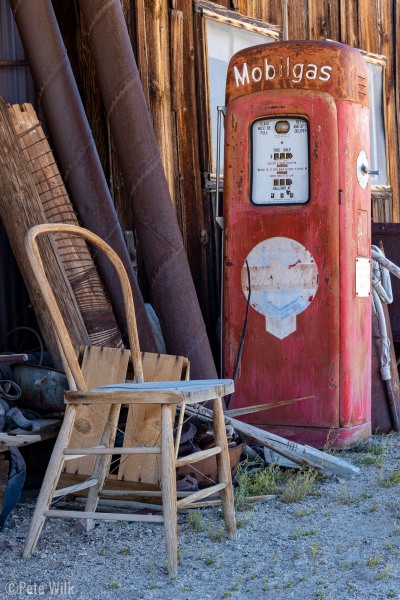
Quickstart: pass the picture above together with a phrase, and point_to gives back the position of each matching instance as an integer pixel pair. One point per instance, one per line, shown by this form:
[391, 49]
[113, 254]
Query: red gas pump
[297, 239]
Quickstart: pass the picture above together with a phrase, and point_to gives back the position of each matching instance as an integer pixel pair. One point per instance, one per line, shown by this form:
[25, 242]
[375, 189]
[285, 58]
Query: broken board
[100, 366]
[143, 426]
[105, 366]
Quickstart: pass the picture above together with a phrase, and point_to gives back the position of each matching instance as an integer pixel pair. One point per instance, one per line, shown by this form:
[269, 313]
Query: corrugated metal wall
[15, 86]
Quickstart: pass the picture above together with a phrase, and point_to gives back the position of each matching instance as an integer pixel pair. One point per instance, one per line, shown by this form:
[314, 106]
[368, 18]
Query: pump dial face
[280, 161]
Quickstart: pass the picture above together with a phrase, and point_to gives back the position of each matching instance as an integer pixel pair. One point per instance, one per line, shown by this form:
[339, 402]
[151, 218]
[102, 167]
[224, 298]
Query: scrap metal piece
[42, 388]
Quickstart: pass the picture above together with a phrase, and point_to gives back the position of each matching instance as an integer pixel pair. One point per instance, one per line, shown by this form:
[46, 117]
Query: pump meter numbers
[280, 164]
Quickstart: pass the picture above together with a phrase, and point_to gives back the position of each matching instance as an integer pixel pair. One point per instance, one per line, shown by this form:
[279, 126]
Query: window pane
[223, 41]
[377, 126]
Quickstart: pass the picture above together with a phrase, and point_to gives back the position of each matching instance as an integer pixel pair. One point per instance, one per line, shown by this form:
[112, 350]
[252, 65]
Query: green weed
[374, 560]
[385, 573]
[314, 551]
[216, 535]
[195, 520]
[297, 533]
[258, 482]
[299, 485]
[392, 479]
[242, 521]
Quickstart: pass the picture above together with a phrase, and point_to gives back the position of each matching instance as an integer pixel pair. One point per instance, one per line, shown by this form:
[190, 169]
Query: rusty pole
[156, 224]
[73, 141]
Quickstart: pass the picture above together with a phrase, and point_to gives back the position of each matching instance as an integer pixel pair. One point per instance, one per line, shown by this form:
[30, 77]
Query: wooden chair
[167, 394]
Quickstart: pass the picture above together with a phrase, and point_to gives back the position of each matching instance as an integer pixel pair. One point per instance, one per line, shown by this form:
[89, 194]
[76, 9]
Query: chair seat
[161, 392]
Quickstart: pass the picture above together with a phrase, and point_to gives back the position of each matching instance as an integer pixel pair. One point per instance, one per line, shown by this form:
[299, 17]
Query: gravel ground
[341, 542]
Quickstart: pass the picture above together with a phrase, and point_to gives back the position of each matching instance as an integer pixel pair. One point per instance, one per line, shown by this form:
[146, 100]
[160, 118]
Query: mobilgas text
[245, 74]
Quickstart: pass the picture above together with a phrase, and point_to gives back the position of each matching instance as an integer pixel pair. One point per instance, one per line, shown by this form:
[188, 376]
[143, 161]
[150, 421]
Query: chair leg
[224, 469]
[102, 464]
[168, 488]
[50, 480]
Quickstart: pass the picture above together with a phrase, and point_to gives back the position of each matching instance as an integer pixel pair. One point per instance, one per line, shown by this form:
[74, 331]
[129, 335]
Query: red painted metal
[326, 352]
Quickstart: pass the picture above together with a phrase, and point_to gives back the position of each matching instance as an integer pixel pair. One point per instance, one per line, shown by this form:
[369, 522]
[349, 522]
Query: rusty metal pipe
[73, 141]
[138, 155]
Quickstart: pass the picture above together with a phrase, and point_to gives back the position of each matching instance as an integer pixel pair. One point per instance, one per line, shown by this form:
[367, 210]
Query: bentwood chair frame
[166, 394]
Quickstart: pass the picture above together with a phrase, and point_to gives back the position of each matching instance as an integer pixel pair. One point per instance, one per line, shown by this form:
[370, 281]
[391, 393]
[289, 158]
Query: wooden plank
[248, 8]
[191, 459]
[177, 59]
[184, 502]
[247, 500]
[142, 47]
[388, 46]
[323, 20]
[74, 253]
[100, 366]
[7, 440]
[20, 209]
[157, 32]
[382, 207]
[349, 23]
[114, 487]
[73, 489]
[395, 126]
[202, 252]
[298, 23]
[369, 26]
[272, 12]
[143, 422]
[305, 455]
[246, 410]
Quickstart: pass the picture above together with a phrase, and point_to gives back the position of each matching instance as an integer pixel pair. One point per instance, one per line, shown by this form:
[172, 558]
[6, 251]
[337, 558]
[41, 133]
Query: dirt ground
[342, 541]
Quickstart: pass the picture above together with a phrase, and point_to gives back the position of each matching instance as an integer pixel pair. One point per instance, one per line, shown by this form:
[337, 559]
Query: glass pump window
[280, 161]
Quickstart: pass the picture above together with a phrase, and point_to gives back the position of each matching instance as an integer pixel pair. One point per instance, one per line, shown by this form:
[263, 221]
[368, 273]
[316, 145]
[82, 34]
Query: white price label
[363, 277]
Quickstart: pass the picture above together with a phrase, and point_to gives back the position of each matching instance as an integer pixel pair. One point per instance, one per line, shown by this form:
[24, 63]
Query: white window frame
[211, 12]
[380, 60]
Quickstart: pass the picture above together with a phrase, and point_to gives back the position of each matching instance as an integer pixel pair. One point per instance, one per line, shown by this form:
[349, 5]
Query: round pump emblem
[283, 282]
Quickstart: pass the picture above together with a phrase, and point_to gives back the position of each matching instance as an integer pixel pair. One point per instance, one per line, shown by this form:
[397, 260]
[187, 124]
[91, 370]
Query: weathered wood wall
[166, 36]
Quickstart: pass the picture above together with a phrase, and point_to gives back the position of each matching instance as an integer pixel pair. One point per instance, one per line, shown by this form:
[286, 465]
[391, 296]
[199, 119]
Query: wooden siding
[168, 40]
